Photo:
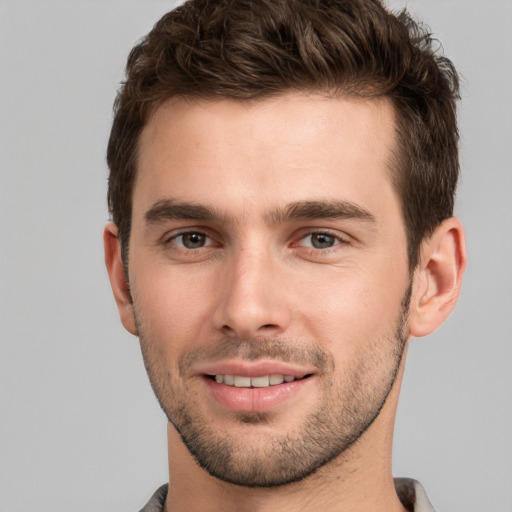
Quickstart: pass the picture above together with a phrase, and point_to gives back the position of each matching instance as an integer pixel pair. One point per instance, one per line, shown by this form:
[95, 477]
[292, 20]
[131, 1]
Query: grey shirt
[411, 494]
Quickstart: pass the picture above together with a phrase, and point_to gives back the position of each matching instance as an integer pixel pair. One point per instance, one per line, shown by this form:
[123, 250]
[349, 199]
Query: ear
[438, 278]
[118, 278]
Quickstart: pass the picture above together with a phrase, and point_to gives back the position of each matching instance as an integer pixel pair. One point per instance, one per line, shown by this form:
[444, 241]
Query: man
[282, 177]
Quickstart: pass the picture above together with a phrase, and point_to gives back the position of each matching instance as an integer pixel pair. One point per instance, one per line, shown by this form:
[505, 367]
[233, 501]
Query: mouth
[257, 388]
[262, 381]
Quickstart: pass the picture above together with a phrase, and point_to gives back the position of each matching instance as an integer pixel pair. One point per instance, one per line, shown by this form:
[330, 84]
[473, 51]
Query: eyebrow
[312, 210]
[169, 209]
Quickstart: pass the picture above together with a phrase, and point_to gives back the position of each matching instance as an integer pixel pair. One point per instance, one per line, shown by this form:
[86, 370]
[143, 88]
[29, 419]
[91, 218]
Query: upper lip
[253, 368]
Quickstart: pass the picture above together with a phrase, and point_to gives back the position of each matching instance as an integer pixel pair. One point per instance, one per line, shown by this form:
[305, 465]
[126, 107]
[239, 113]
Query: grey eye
[193, 240]
[322, 240]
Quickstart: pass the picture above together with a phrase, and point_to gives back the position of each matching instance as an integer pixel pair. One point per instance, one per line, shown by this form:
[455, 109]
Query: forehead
[295, 147]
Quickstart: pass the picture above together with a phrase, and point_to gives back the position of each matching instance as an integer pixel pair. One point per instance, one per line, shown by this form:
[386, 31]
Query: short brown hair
[250, 49]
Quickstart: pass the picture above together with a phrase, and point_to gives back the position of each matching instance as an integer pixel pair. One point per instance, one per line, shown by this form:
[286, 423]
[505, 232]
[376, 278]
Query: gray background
[79, 427]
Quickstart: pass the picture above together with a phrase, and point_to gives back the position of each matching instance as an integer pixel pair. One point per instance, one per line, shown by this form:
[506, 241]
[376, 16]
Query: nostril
[247, 330]
[269, 326]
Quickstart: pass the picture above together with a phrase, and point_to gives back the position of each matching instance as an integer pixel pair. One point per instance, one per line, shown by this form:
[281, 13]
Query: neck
[338, 486]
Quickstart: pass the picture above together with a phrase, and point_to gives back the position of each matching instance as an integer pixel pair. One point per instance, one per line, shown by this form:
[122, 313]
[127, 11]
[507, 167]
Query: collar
[411, 494]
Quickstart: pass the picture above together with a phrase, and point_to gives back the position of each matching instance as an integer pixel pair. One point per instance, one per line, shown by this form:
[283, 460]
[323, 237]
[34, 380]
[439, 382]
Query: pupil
[193, 240]
[322, 241]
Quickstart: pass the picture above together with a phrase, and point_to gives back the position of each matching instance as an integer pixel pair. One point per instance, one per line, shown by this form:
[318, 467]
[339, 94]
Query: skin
[263, 277]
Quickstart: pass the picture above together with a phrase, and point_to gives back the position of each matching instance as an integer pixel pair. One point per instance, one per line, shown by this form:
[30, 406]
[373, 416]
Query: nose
[252, 297]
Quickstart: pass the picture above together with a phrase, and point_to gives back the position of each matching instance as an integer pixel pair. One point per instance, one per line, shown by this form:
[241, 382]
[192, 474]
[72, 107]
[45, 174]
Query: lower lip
[254, 399]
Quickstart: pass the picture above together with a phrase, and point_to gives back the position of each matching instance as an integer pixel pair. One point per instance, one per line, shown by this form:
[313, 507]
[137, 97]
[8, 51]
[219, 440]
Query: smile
[263, 381]
[255, 388]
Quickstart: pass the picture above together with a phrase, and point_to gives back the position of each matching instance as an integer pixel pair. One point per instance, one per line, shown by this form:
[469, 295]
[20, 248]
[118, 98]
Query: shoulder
[412, 495]
[157, 501]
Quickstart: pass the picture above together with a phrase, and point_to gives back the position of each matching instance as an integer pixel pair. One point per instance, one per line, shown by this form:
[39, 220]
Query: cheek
[171, 307]
[347, 310]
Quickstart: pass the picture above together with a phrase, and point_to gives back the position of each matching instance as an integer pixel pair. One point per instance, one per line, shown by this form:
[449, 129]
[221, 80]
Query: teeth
[242, 382]
[260, 382]
[263, 381]
[276, 379]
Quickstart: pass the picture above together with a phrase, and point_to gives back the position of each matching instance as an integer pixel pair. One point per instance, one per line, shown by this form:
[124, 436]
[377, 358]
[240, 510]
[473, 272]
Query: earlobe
[118, 281]
[438, 278]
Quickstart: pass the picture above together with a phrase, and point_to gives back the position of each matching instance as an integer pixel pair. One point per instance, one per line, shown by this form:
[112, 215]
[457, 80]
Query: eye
[192, 240]
[319, 240]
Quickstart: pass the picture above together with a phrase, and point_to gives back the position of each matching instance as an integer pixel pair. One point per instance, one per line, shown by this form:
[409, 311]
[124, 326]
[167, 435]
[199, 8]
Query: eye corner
[188, 241]
[321, 240]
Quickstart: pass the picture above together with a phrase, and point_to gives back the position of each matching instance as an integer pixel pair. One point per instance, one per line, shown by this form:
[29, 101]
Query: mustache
[276, 349]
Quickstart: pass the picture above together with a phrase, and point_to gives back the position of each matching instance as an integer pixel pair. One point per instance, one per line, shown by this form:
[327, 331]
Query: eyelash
[173, 239]
[337, 240]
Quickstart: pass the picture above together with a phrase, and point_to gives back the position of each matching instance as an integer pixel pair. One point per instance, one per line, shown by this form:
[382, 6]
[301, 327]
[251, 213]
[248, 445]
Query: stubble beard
[347, 406]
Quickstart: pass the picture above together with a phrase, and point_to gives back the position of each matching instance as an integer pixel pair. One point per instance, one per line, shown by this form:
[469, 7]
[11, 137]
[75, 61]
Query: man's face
[268, 269]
